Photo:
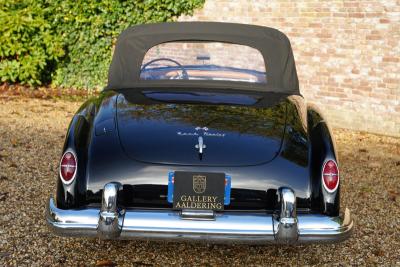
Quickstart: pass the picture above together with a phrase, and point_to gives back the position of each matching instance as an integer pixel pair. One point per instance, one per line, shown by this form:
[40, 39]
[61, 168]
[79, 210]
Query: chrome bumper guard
[287, 227]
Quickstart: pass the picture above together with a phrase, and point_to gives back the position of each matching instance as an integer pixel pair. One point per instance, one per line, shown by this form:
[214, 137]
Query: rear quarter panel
[322, 149]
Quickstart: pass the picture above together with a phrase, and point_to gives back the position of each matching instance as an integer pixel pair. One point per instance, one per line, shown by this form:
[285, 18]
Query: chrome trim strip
[227, 227]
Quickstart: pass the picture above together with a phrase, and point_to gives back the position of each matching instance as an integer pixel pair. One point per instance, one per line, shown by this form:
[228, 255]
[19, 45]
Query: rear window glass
[203, 61]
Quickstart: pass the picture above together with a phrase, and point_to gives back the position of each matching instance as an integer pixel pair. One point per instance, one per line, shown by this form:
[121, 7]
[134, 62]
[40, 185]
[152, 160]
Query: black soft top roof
[134, 42]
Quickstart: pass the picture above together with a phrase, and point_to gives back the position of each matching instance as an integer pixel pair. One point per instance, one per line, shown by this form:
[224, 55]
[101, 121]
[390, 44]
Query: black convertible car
[200, 134]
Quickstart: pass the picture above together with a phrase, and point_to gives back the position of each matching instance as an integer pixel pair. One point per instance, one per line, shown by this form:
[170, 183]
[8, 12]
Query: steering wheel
[184, 74]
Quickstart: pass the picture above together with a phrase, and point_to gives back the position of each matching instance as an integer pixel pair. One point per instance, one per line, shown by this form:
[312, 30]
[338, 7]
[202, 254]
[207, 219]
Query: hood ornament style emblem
[198, 128]
[200, 146]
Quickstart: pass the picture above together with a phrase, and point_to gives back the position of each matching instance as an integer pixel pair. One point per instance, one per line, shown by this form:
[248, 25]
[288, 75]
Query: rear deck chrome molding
[110, 223]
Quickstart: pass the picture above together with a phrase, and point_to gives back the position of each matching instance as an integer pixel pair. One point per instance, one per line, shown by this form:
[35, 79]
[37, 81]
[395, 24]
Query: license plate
[199, 190]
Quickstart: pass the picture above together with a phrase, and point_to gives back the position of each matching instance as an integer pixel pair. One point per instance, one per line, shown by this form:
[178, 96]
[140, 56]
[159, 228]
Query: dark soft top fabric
[134, 42]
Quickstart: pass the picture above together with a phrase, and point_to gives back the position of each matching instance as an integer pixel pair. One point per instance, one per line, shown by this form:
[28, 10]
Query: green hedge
[69, 43]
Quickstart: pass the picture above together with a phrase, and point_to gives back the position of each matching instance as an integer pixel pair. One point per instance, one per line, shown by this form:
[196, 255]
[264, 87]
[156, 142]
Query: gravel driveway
[31, 137]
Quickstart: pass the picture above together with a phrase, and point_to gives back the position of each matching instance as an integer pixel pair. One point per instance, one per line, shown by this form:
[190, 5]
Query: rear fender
[92, 119]
[76, 140]
[322, 149]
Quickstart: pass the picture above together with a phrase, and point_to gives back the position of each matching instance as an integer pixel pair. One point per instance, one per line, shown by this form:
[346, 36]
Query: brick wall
[347, 54]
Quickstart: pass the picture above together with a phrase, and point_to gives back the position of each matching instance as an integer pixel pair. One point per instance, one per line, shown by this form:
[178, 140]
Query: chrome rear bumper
[110, 223]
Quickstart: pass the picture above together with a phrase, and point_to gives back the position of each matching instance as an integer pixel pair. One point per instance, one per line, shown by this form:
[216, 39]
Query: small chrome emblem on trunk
[199, 183]
[198, 128]
[200, 146]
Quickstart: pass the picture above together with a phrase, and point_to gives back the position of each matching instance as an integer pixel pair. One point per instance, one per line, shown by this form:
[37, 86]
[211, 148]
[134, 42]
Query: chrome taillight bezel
[322, 176]
[76, 167]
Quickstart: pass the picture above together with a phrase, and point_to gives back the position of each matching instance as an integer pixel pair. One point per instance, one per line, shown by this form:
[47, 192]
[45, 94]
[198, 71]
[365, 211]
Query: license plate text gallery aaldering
[198, 202]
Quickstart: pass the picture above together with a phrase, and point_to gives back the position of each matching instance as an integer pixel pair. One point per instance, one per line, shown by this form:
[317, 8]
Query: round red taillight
[68, 166]
[330, 176]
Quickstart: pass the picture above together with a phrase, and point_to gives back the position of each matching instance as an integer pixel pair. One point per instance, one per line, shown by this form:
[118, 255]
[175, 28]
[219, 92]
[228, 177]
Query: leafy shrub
[70, 42]
[29, 47]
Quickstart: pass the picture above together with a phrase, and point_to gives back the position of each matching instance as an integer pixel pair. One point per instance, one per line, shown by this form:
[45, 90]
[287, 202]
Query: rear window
[203, 61]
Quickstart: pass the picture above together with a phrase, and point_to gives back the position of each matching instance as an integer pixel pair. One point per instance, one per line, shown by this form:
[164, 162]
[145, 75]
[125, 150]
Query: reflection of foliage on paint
[267, 121]
[296, 143]
[96, 101]
[262, 121]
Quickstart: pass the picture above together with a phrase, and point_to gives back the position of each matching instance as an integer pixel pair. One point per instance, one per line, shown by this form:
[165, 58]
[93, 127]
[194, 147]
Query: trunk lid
[165, 128]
